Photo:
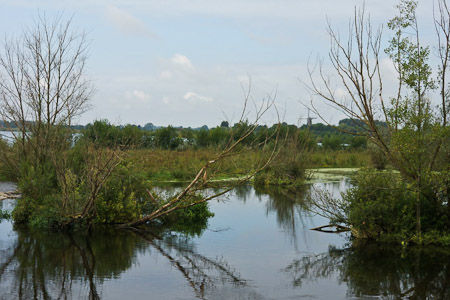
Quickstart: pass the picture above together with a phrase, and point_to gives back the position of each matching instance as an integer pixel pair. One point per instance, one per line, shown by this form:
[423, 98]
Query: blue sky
[184, 62]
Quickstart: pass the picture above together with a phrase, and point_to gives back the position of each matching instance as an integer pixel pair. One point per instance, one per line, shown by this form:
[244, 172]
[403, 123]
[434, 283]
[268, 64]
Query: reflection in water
[61, 266]
[286, 203]
[371, 270]
[241, 263]
[51, 265]
[290, 204]
[200, 272]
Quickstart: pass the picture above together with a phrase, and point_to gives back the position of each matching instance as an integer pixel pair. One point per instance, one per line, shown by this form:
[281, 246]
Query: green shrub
[45, 214]
[380, 204]
[124, 197]
[377, 157]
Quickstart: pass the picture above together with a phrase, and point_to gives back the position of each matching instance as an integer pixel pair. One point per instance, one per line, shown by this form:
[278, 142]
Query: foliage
[382, 206]
[340, 159]
[413, 135]
[291, 162]
[124, 197]
[167, 138]
[339, 137]
[104, 134]
[377, 157]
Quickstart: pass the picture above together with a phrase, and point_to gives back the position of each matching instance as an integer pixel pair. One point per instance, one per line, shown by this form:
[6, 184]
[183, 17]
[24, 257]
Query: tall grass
[166, 165]
[340, 159]
[169, 165]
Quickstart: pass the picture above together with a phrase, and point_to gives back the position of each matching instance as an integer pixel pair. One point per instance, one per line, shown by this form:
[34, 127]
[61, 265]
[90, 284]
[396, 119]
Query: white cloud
[195, 98]
[127, 23]
[138, 95]
[181, 60]
[166, 74]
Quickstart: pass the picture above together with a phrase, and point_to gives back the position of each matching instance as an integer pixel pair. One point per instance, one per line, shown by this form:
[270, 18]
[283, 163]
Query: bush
[124, 197]
[380, 204]
[377, 157]
[290, 164]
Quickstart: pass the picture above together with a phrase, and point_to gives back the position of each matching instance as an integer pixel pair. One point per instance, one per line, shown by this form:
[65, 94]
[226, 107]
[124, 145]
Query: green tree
[167, 138]
[416, 134]
[202, 138]
[332, 142]
[219, 136]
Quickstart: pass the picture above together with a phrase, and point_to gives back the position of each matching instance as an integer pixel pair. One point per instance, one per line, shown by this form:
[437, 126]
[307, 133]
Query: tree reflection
[75, 266]
[289, 206]
[381, 271]
[243, 192]
[45, 266]
[200, 272]
[286, 203]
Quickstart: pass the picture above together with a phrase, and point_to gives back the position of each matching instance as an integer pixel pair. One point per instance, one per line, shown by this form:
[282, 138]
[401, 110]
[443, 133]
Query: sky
[191, 63]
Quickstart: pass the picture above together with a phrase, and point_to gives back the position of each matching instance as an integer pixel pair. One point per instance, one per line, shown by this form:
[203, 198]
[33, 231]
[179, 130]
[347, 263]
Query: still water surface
[257, 246]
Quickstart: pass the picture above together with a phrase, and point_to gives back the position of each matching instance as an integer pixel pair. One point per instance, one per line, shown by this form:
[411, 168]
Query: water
[11, 136]
[257, 246]
[8, 136]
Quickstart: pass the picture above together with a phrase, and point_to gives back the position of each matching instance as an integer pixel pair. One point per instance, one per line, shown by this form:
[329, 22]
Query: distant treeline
[319, 135]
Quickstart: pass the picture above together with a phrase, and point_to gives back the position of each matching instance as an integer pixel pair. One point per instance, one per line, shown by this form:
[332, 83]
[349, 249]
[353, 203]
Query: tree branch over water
[189, 196]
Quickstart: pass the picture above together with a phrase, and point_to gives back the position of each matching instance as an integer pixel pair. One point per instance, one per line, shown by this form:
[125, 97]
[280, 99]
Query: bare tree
[43, 85]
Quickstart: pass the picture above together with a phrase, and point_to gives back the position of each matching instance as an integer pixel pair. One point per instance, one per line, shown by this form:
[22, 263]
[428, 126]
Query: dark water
[257, 246]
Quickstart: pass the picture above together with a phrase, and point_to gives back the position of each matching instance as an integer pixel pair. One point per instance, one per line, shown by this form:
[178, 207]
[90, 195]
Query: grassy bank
[166, 165]
[340, 159]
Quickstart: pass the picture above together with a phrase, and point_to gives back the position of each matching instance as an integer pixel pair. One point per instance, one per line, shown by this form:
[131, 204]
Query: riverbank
[181, 166]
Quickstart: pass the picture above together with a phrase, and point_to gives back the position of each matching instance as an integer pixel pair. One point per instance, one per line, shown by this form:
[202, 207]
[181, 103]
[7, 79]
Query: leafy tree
[202, 138]
[416, 134]
[219, 136]
[131, 135]
[167, 138]
[102, 133]
[332, 142]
